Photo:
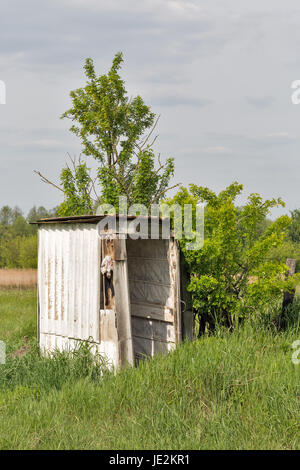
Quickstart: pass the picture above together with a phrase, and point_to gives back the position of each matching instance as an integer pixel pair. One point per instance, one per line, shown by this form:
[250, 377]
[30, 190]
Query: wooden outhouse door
[154, 285]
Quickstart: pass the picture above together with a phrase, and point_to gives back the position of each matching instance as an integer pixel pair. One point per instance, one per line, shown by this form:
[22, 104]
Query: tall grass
[45, 373]
[235, 390]
[18, 278]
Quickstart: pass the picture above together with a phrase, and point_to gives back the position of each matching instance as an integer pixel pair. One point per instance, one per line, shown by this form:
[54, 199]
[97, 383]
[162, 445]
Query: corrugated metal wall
[69, 285]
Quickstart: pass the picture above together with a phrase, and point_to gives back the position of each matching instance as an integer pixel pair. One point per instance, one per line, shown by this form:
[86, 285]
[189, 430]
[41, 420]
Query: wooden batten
[120, 302]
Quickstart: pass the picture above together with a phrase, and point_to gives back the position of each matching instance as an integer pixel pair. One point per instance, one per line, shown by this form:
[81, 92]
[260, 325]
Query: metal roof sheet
[90, 219]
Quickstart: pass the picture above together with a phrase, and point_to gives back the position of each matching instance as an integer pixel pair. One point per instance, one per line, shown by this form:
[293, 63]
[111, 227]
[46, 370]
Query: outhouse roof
[92, 219]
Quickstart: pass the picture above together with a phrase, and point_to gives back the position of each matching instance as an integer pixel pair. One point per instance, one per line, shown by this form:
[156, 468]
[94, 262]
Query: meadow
[236, 390]
[18, 278]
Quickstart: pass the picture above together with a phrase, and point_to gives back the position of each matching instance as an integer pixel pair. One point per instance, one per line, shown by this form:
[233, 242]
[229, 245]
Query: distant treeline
[18, 239]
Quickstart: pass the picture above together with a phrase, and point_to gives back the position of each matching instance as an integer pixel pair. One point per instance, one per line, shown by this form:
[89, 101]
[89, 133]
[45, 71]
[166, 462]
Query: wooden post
[122, 302]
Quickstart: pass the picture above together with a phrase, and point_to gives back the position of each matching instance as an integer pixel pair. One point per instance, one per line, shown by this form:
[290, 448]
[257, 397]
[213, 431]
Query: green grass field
[17, 315]
[229, 391]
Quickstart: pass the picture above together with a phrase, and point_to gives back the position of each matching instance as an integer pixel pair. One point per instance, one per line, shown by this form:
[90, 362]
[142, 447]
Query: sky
[219, 72]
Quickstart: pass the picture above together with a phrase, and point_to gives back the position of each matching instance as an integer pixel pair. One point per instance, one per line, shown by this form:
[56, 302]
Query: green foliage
[10, 249]
[77, 196]
[233, 275]
[8, 215]
[105, 116]
[37, 213]
[112, 130]
[288, 249]
[294, 229]
[28, 252]
[18, 239]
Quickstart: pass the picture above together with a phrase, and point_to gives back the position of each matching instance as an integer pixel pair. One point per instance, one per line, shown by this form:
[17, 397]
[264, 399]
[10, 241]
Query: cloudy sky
[218, 71]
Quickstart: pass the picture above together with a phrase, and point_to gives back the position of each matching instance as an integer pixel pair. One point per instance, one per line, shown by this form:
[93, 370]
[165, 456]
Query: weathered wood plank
[122, 303]
[155, 312]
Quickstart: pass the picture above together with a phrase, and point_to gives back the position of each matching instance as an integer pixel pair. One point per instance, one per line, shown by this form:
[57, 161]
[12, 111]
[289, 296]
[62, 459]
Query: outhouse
[122, 293]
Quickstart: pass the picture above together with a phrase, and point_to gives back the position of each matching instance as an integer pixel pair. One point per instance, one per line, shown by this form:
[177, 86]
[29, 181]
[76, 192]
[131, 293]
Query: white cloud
[157, 7]
[278, 134]
[45, 144]
[217, 150]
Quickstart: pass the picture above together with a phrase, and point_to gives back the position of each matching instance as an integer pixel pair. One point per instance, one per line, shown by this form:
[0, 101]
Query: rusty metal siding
[69, 284]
